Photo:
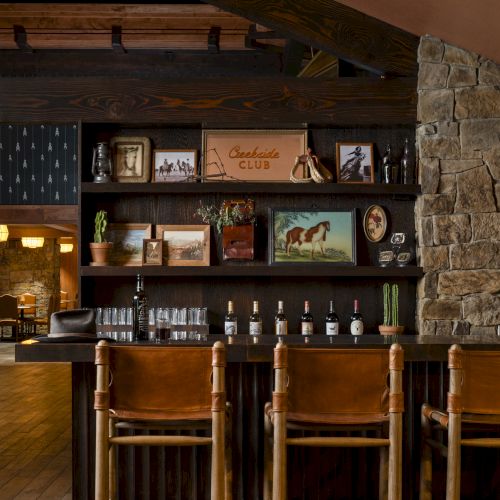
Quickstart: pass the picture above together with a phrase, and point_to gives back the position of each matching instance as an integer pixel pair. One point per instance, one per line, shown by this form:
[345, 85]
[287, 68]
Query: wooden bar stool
[338, 390]
[473, 404]
[166, 389]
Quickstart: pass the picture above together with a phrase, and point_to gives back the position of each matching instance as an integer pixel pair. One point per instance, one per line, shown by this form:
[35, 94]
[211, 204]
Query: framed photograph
[355, 162]
[174, 165]
[312, 236]
[128, 244]
[251, 155]
[375, 223]
[131, 159]
[152, 252]
[185, 245]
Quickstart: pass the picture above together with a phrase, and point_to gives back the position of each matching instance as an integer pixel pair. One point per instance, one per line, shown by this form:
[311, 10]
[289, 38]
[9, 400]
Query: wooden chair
[335, 390]
[45, 320]
[9, 316]
[63, 304]
[473, 404]
[30, 313]
[160, 389]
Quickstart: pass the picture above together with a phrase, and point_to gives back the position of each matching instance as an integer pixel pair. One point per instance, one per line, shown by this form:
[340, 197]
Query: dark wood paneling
[334, 28]
[212, 102]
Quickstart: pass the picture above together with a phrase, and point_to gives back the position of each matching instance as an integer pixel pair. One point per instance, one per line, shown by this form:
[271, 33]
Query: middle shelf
[256, 270]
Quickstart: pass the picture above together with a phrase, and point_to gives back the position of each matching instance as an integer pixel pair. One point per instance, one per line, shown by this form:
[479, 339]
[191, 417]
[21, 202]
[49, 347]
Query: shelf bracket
[116, 40]
[21, 38]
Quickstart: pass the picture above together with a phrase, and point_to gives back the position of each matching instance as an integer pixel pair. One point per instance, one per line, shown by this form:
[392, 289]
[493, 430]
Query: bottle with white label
[280, 321]
[255, 323]
[332, 321]
[306, 320]
[230, 320]
[357, 325]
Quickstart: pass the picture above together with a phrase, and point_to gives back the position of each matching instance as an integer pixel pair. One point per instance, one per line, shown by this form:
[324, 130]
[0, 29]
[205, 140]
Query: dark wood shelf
[250, 187]
[256, 270]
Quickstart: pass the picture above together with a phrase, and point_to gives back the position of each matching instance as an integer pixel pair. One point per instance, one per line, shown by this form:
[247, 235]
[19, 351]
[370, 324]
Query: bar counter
[249, 385]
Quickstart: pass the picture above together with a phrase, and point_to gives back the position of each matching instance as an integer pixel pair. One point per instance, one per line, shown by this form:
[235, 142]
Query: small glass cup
[162, 326]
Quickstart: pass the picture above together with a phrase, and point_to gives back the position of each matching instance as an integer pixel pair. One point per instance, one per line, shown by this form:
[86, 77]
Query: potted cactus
[100, 248]
[391, 324]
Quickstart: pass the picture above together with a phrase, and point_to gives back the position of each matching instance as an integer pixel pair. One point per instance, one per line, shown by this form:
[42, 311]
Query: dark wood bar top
[244, 348]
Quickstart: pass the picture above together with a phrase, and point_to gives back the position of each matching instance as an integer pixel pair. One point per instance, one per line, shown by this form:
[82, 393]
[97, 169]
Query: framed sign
[355, 162]
[127, 241]
[174, 165]
[251, 155]
[131, 159]
[312, 236]
[185, 245]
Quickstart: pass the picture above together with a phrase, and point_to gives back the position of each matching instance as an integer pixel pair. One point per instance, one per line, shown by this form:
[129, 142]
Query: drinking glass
[162, 325]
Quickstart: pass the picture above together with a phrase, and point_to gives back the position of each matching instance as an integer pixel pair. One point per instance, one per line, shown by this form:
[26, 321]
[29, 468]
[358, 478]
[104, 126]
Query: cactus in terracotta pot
[100, 248]
[391, 310]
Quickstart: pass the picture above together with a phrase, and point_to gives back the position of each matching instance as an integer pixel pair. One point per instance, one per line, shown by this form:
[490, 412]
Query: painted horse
[315, 235]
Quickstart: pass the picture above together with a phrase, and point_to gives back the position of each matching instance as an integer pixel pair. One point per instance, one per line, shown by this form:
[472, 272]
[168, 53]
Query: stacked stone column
[457, 216]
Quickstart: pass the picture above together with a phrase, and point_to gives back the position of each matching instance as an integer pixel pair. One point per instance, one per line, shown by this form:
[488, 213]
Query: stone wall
[457, 216]
[34, 270]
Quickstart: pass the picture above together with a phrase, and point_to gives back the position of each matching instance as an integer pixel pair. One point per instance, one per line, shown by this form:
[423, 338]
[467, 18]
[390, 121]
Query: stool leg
[268, 457]
[453, 471]
[425, 460]
[383, 473]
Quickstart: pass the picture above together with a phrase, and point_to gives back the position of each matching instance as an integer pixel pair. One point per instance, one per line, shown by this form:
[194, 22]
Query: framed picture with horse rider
[131, 159]
[312, 236]
[355, 163]
[174, 165]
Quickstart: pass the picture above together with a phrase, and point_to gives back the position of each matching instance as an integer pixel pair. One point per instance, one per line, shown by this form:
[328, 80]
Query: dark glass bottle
[306, 321]
[280, 321]
[332, 321]
[387, 165]
[407, 165]
[255, 323]
[230, 320]
[140, 320]
[357, 325]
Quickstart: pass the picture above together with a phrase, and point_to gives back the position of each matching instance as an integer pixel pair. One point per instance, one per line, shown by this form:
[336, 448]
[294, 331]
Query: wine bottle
[230, 320]
[255, 326]
[140, 317]
[332, 321]
[357, 325]
[280, 321]
[306, 321]
[407, 165]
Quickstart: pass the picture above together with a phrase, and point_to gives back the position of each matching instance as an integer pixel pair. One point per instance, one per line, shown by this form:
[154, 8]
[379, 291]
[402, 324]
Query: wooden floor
[35, 428]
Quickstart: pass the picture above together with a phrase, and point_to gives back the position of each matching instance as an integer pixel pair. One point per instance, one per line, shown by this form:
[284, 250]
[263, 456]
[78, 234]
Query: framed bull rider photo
[355, 163]
[312, 236]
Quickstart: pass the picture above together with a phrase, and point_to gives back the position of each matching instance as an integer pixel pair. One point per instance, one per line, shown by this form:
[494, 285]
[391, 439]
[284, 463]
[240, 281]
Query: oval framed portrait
[375, 223]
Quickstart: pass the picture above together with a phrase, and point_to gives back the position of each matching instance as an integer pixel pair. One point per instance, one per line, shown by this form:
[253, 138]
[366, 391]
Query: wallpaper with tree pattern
[39, 164]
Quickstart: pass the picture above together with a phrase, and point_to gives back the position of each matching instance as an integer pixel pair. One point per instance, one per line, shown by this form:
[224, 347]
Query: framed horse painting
[174, 165]
[312, 237]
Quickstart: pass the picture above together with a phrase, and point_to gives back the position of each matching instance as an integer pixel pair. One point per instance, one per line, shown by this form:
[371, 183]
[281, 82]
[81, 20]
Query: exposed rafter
[334, 28]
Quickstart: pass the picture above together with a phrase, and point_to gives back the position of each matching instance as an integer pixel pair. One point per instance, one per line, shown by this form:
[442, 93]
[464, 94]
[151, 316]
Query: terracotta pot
[100, 253]
[237, 242]
[390, 330]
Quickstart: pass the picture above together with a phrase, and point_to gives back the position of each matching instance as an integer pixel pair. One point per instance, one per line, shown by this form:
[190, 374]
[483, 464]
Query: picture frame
[152, 254]
[312, 236]
[355, 163]
[251, 155]
[127, 239]
[185, 245]
[131, 158]
[375, 223]
[174, 165]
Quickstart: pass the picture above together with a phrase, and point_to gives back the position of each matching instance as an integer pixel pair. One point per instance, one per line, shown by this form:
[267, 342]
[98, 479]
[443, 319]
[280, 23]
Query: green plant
[101, 222]
[391, 304]
[226, 215]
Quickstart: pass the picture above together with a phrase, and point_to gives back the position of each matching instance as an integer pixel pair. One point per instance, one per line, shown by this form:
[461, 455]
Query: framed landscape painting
[312, 236]
[127, 242]
[185, 245]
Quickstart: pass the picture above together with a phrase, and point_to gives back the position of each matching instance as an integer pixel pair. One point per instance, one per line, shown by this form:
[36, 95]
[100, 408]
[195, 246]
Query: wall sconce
[66, 247]
[32, 242]
[4, 232]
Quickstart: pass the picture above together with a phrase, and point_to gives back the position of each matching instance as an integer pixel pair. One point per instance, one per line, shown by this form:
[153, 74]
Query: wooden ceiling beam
[210, 101]
[336, 29]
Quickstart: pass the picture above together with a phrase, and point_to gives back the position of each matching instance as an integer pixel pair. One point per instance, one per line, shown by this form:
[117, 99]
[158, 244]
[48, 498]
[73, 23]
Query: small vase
[390, 330]
[100, 253]
[237, 242]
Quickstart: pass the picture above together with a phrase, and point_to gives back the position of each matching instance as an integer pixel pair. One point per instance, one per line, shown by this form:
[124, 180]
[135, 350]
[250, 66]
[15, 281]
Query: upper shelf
[254, 270]
[251, 187]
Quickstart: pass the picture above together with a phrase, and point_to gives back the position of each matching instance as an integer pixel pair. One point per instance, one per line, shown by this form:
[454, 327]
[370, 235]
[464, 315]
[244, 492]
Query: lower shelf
[256, 270]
